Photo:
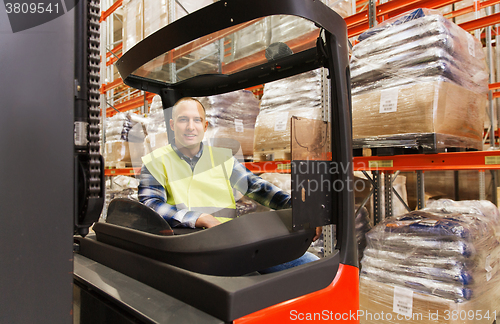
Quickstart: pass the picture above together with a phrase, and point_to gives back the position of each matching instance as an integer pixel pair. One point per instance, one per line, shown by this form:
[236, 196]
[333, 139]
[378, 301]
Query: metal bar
[328, 239]
[482, 189]
[471, 8]
[376, 198]
[494, 86]
[479, 160]
[456, 182]
[111, 85]
[106, 13]
[489, 53]
[481, 22]
[372, 13]
[494, 187]
[420, 190]
[363, 203]
[388, 194]
[122, 171]
[368, 177]
[401, 200]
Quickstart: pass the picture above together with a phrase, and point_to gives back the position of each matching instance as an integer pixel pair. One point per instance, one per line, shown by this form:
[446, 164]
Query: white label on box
[281, 121]
[152, 141]
[403, 301]
[238, 125]
[80, 133]
[470, 45]
[389, 100]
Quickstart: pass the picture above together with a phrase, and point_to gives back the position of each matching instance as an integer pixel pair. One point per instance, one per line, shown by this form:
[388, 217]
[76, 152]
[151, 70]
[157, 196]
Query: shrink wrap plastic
[232, 115]
[132, 23]
[258, 36]
[117, 146]
[156, 127]
[423, 71]
[428, 48]
[155, 16]
[449, 250]
[130, 136]
[300, 96]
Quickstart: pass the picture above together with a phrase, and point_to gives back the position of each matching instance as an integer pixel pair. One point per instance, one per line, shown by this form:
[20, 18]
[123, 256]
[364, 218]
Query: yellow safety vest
[207, 188]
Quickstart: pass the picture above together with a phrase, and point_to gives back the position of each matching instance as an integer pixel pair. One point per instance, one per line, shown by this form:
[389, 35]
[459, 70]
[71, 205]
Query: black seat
[132, 214]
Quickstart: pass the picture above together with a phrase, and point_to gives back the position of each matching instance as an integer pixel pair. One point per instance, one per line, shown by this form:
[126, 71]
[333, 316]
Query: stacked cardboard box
[232, 116]
[298, 96]
[418, 73]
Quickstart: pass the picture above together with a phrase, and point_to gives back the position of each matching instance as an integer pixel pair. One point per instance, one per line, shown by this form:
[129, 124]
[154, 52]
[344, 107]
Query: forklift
[135, 268]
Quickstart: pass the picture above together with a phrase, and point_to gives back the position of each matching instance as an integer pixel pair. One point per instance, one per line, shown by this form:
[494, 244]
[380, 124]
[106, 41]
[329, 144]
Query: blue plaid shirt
[153, 194]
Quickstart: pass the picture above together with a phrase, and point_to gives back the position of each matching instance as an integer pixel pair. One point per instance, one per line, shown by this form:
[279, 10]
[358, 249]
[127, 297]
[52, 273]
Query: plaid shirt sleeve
[258, 189]
[152, 194]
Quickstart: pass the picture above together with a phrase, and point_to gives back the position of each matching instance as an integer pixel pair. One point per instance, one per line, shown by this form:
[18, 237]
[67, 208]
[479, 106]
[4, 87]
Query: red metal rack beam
[472, 8]
[123, 171]
[481, 160]
[130, 104]
[268, 166]
[481, 22]
[106, 13]
[358, 23]
[110, 85]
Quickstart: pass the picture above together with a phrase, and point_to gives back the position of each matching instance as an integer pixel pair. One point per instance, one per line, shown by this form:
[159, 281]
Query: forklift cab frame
[329, 284]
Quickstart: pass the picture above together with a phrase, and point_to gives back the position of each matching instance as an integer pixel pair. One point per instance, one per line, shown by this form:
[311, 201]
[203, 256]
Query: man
[191, 184]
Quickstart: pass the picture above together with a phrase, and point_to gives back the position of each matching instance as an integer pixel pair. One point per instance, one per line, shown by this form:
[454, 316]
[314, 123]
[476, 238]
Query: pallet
[118, 165]
[428, 143]
[264, 156]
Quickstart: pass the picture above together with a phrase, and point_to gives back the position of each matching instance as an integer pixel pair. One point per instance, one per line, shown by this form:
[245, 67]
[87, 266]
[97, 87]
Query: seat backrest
[132, 214]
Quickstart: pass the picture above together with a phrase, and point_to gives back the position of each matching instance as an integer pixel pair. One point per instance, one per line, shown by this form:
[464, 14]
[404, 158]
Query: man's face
[189, 124]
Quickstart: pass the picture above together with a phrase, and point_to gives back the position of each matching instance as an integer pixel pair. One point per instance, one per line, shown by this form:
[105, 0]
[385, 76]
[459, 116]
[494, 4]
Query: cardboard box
[377, 306]
[155, 141]
[272, 129]
[426, 107]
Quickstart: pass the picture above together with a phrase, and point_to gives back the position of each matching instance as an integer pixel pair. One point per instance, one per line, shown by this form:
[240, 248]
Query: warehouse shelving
[368, 13]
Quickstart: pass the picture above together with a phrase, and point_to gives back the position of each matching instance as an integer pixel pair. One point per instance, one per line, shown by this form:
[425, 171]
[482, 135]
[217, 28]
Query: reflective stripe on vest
[207, 188]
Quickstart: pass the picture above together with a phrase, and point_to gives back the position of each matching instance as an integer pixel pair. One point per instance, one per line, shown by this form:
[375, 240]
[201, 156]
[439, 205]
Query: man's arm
[258, 189]
[262, 191]
[153, 194]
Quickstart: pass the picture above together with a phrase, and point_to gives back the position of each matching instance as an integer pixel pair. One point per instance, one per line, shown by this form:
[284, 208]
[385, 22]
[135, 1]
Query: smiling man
[190, 184]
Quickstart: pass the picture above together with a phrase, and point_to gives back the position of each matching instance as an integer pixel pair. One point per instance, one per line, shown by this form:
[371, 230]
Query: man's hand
[319, 230]
[207, 221]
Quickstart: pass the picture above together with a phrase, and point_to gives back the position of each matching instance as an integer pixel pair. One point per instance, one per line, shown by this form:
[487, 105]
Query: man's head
[188, 123]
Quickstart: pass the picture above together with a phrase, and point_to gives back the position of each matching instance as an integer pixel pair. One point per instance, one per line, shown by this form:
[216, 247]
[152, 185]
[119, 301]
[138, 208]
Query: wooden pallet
[118, 165]
[264, 156]
[429, 143]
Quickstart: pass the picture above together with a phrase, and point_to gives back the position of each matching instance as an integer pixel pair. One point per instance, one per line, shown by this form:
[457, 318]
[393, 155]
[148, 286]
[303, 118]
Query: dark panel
[36, 183]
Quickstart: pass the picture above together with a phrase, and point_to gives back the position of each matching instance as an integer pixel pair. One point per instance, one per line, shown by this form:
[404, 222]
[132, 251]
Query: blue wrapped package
[450, 250]
[417, 13]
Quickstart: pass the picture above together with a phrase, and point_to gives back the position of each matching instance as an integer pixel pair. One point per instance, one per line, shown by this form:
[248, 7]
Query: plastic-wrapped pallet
[132, 23]
[232, 116]
[423, 71]
[155, 16]
[185, 7]
[116, 148]
[156, 127]
[124, 139]
[448, 252]
[120, 187]
[300, 96]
